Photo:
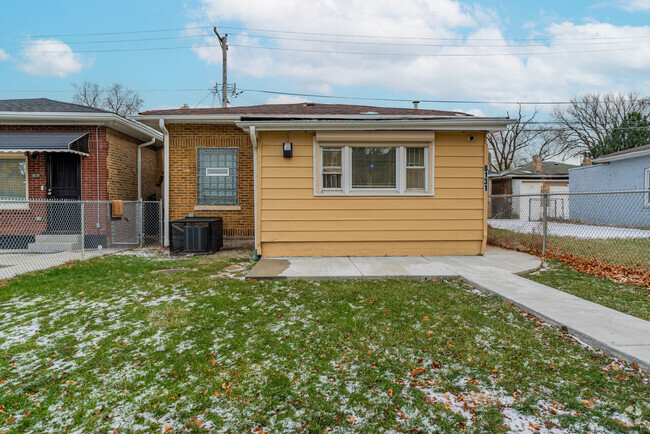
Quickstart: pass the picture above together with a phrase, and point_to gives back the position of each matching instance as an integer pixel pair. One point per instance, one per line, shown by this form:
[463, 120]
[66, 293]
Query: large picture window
[374, 170]
[13, 178]
[217, 177]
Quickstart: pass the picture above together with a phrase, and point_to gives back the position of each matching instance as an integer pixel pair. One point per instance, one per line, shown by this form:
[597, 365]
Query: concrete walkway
[615, 333]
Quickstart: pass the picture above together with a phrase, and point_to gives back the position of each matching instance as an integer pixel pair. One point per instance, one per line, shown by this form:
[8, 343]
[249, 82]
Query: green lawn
[627, 251]
[630, 299]
[106, 344]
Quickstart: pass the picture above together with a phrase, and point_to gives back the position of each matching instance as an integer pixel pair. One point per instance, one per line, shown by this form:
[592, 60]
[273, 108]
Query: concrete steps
[55, 243]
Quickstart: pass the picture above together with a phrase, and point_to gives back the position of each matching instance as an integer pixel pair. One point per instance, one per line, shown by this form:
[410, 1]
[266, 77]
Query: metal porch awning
[44, 141]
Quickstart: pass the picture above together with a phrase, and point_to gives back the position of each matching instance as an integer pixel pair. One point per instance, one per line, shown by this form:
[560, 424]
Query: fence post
[545, 223]
[161, 222]
[83, 231]
[141, 225]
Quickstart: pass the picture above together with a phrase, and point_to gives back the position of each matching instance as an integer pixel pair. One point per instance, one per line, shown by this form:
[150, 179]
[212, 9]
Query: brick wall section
[123, 168]
[184, 139]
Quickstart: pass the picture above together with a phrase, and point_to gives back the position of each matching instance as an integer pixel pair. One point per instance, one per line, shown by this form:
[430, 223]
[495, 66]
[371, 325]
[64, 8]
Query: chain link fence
[38, 234]
[611, 227]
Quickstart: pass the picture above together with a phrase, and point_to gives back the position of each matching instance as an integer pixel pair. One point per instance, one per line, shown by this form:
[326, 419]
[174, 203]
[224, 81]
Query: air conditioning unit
[197, 235]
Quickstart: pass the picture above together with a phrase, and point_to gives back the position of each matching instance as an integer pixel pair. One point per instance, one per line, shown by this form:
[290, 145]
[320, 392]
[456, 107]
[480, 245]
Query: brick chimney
[586, 161]
[537, 163]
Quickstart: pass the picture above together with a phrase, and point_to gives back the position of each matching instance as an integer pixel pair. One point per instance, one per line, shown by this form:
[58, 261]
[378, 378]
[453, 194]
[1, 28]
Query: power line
[417, 37]
[363, 53]
[384, 37]
[468, 42]
[131, 32]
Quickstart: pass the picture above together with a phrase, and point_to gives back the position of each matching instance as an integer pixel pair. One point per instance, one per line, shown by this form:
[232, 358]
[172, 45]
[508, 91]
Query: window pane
[216, 190]
[373, 167]
[332, 157]
[415, 157]
[415, 178]
[332, 180]
[13, 181]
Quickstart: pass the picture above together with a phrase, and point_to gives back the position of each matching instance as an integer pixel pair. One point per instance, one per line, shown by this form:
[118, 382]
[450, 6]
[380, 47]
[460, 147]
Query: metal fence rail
[38, 234]
[608, 226]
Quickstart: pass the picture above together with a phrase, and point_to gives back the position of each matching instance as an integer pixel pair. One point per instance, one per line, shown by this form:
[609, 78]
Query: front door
[64, 190]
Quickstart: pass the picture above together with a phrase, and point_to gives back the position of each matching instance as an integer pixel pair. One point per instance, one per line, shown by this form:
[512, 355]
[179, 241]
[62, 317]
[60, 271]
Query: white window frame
[400, 162]
[646, 196]
[208, 173]
[17, 156]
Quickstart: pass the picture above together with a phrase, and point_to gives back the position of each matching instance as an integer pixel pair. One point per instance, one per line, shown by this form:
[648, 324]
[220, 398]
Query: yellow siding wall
[293, 222]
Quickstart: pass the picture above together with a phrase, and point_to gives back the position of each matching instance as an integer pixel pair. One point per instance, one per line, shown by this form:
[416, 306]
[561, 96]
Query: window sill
[217, 208]
[374, 193]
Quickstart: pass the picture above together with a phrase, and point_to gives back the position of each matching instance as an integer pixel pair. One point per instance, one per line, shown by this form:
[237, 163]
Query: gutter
[253, 133]
[446, 124]
[139, 163]
[161, 124]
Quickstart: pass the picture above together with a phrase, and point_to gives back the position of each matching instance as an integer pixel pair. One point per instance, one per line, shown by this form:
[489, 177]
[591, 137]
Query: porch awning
[44, 141]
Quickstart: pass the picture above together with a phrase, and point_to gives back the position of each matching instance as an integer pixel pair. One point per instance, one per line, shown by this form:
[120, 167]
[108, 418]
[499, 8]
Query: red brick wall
[183, 141]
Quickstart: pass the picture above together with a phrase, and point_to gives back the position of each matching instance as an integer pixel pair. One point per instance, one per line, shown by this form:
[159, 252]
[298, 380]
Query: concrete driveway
[611, 331]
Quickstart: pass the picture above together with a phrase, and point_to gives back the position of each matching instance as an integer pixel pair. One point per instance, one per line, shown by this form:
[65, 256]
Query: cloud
[473, 112]
[4, 55]
[634, 5]
[51, 57]
[286, 99]
[572, 58]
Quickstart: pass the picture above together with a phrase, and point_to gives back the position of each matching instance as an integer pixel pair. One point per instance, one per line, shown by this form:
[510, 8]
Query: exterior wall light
[287, 149]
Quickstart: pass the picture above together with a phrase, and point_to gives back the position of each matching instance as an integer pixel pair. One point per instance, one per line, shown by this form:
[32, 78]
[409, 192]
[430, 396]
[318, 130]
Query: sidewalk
[613, 332]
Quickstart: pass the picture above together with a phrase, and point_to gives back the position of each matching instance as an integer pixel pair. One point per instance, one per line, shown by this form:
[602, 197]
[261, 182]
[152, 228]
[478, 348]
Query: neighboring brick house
[56, 150]
[331, 180]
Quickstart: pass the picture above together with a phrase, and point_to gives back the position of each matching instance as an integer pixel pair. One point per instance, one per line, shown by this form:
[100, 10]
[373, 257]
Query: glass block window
[13, 178]
[217, 176]
[415, 169]
[332, 168]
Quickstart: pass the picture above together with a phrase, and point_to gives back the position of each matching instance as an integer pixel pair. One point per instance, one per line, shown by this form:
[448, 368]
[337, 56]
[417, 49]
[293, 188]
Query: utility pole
[223, 41]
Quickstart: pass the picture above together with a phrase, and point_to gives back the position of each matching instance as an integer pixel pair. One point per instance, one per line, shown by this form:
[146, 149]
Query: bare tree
[122, 100]
[116, 98]
[509, 147]
[590, 118]
[88, 94]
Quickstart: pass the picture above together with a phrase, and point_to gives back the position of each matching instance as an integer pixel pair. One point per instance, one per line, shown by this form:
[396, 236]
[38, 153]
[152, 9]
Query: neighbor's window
[217, 176]
[374, 170]
[13, 178]
[647, 186]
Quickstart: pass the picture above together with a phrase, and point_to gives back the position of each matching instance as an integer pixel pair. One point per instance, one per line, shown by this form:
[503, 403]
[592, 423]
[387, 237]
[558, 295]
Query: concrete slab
[613, 332]
[412, 267]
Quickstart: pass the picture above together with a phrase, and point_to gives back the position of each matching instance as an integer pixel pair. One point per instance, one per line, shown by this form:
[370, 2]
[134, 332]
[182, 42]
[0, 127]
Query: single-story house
[531, 178]
[331, 180]
[627, 170]
[56, 151]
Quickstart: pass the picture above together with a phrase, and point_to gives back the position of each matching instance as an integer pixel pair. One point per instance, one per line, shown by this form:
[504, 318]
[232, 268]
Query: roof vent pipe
[415, 104]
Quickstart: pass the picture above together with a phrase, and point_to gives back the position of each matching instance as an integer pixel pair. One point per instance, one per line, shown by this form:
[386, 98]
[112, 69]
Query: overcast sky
[503, 50]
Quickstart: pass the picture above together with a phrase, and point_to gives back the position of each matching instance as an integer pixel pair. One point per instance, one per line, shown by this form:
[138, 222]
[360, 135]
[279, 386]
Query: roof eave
[633, 154]
[130, 127]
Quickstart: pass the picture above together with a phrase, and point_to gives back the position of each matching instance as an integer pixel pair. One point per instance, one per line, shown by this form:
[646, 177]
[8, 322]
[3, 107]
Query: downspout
[98, 224]
[140, 146]
[253, 134]
[161, 123]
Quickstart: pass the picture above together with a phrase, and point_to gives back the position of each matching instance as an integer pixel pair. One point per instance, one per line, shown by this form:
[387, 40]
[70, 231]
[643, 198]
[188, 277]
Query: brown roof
[303, 109]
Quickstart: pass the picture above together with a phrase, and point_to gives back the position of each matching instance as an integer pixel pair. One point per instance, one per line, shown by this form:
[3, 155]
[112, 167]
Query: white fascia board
[634, 154]
[127, 126]
[187, 119]
[446, 124]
